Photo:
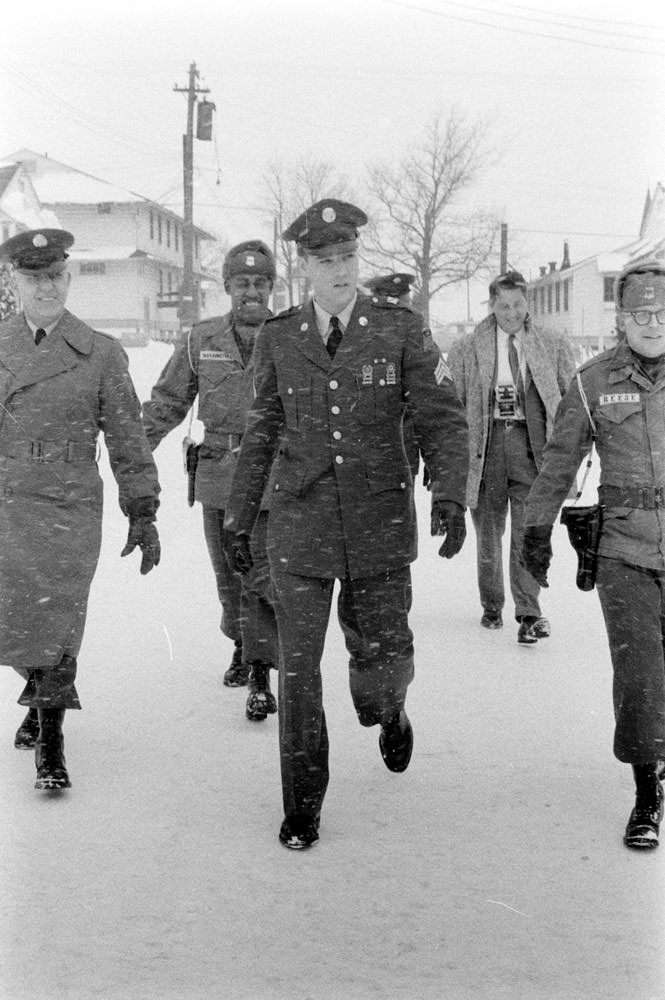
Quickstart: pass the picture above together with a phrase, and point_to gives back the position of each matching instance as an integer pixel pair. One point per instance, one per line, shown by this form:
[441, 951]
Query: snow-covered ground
[493, 868]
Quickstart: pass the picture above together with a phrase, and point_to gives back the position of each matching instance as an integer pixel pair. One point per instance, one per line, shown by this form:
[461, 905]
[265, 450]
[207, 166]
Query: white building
[127, 259]
[578, 299]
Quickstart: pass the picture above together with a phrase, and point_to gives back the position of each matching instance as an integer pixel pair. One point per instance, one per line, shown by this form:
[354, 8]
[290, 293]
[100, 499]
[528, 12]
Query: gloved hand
[448, 519]
[536, 552]
[142, 532]
[237, 551]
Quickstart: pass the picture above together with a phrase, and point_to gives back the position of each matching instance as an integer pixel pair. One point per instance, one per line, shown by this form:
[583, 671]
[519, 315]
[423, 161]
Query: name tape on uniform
[619, 397]
[215, 356]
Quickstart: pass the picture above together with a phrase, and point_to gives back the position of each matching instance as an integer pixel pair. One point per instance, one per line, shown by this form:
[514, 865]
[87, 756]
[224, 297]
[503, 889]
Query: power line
[519, 31]
[582, 17]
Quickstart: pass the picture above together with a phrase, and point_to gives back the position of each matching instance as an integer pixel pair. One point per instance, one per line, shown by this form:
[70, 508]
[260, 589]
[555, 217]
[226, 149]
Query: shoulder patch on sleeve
[442, 371]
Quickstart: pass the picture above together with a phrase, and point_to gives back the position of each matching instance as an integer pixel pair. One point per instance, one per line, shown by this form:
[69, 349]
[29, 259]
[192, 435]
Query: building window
[176, 233]
[565, 295]
[92, 267]
[542, 300]
[549, 298]
[104, 208]
[168, 232]
[152, 225]
[159, 229]
[557, 297]
[608, 289]
[196, 248]
[161, 282]
[533, 301]
[169, 282]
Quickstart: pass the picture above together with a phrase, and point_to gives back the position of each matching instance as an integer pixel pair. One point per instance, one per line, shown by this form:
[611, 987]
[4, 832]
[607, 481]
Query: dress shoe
[299, 831]
[492, 619]
[396, 742]
[260, 700]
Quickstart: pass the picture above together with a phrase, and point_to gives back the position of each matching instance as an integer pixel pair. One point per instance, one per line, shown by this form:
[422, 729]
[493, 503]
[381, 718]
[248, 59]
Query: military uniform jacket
[54, 401]
[342, 499]
[629, 413]
[472, 360]
[207, 364]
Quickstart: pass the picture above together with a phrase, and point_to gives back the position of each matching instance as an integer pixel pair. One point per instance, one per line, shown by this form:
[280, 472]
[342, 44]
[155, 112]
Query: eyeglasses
[36, 277]
[643, 317]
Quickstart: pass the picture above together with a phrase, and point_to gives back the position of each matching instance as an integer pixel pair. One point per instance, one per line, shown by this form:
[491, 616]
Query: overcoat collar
[69, 339]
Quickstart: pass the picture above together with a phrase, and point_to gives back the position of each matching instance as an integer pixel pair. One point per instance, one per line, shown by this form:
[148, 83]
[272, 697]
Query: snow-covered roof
[106, 253]
[75, 188]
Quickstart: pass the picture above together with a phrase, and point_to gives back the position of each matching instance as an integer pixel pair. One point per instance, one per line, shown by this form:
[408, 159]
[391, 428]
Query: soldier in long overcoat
[214, 363]
[333, 380]
[61, 384]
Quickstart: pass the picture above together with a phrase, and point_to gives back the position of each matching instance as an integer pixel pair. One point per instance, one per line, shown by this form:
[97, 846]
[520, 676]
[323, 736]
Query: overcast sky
[574, 90]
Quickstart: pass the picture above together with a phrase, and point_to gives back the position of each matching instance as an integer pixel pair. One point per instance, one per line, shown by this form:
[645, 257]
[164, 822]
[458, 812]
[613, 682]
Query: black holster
[584, 526]
[190, 456]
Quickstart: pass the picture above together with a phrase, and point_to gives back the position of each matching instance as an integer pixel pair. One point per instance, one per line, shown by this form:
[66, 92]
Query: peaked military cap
[640, 284]
[36, 248]
[250, 257]
[326, 222]
[391, 284]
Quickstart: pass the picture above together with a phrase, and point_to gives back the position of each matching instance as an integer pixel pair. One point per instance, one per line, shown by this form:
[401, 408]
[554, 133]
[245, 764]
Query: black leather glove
[448, 519]
[143, 533]
[237, 551]
[141, 512]
[536, 552]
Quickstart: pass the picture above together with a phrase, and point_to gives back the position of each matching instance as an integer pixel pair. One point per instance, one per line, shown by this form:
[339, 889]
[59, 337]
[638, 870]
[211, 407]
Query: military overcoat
[54, 401]
[342, 490]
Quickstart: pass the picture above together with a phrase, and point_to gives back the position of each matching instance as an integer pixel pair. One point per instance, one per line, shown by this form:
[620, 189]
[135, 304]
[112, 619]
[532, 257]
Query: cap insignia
[250, 260]
[39, 240]
[328, 214]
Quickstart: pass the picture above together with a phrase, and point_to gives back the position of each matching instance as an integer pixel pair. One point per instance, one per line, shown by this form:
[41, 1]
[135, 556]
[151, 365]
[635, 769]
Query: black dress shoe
[299, 831]
[396, 742]
[492, 619]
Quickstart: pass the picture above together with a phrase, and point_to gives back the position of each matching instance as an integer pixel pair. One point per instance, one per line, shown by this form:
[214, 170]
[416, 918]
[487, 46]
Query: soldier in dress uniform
[624, 391]
[333, 379]
[61, 383]
[215, 363]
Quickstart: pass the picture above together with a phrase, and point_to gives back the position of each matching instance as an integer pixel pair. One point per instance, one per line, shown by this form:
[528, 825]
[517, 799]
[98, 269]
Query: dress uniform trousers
[373, 614]
[633, 602]
[246, 602]
[507, 477]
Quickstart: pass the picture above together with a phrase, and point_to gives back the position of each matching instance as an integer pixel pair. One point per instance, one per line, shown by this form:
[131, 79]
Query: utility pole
[189, 301]
[503, 264]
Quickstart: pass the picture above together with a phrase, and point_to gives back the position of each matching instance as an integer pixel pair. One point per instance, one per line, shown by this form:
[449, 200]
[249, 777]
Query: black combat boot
[49, 751]
[236, 675]
[644, 822]
[28, 731]
[396, 742]
[261, 701]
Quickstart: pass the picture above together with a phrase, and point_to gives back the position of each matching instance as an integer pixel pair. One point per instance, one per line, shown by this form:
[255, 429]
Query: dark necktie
[515, 369]
[334, 336]
[39, 336]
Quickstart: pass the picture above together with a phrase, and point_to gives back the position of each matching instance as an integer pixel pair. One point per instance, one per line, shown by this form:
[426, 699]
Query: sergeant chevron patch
[442, 371]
